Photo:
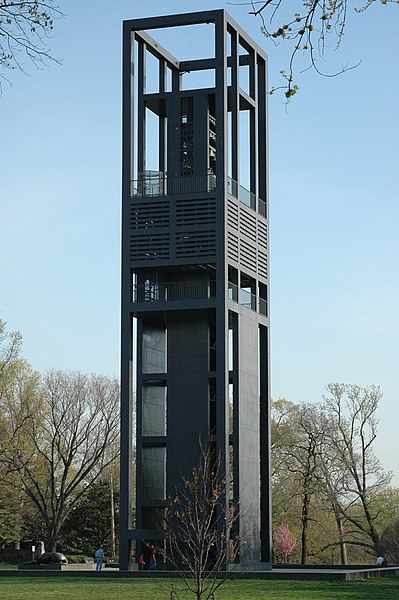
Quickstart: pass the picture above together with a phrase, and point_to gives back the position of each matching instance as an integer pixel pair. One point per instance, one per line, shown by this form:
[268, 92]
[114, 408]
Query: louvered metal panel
[247, 224]
[247, 255]
[195, 243]
[147, 215]
[200, 211]
[149, 246]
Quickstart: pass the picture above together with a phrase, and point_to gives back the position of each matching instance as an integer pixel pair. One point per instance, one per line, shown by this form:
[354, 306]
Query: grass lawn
[79, 588]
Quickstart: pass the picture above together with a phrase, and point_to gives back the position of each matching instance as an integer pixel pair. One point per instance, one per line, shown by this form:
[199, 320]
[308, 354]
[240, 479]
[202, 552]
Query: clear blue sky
[334, 213]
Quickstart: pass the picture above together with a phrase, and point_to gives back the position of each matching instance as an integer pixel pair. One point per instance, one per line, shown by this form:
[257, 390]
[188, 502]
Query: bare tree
[310, 27]
[68, 439]
[351, 411]
[326, 477]
[332, 478]
[25, 27]
[299, 453]
[198, 529]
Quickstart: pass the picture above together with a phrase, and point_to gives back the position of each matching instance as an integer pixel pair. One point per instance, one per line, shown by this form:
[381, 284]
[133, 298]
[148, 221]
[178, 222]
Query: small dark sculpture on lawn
[47, 558]
[51, 558]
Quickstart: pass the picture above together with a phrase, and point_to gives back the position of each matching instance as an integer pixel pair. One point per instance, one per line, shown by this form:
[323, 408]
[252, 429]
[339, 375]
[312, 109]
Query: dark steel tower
[195, 324]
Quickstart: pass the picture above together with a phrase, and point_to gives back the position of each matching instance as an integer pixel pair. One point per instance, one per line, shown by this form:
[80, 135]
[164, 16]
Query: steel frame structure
[195, 285]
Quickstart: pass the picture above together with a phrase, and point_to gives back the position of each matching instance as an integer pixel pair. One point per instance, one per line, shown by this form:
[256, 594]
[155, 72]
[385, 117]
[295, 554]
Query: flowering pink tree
[283, 542]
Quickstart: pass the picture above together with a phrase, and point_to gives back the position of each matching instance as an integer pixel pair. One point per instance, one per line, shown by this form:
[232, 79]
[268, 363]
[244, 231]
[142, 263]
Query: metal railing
[262, 307]
[162, 185]
[168, 291]
[246, 197]
[174, 290]
[232, 291]
[247, 299]
[262, 208]
[152, 184]
[241, 296]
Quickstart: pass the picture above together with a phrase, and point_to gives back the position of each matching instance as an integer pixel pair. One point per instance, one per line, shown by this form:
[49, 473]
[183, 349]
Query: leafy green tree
[10, 348]
[59, 433]
[71, 427]
[390, 534]
[10, 516]
[298, 446]
[18, 385]
[328, 485]
[88, 524]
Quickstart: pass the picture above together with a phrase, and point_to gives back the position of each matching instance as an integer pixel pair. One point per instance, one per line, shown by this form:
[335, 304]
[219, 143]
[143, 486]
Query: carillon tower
[195, 284]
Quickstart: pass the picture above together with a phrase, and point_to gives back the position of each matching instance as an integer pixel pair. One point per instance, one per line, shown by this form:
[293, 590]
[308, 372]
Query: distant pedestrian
[153, 562]
[380, 562]
[99, 558]
[141, 562]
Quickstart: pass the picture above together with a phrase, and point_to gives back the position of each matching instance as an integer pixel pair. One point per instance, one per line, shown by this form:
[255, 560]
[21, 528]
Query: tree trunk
[342, 545]
[53, 537]
[372, 530]
[305, 522]
[113, 549]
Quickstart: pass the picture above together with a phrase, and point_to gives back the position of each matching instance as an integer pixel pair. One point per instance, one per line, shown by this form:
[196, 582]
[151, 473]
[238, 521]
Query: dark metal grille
[201, 211]
[148, 215]
[149, 247]
[248, 255]
[174, 290]
[232, 246]
[195, 243]
[248, 224]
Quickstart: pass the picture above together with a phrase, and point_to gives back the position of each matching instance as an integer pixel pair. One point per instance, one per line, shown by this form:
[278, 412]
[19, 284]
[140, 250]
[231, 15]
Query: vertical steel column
[126, 320]
[162, 136]
[265, 444]
[253, 126]
[236, 415]
[139, 423]
[141, 111]
[262, 129]
[235, 108]
[222, 408]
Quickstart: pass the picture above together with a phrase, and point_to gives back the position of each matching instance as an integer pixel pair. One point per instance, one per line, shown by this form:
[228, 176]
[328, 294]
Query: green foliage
[58, 434]
[10, 516]
[328, 485]
[18, 384]
[89, 522]
[77, 558]
[390, 535]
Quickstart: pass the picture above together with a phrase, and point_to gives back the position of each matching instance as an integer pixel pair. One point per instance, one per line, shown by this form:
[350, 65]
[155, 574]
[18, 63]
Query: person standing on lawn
[99, 555]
